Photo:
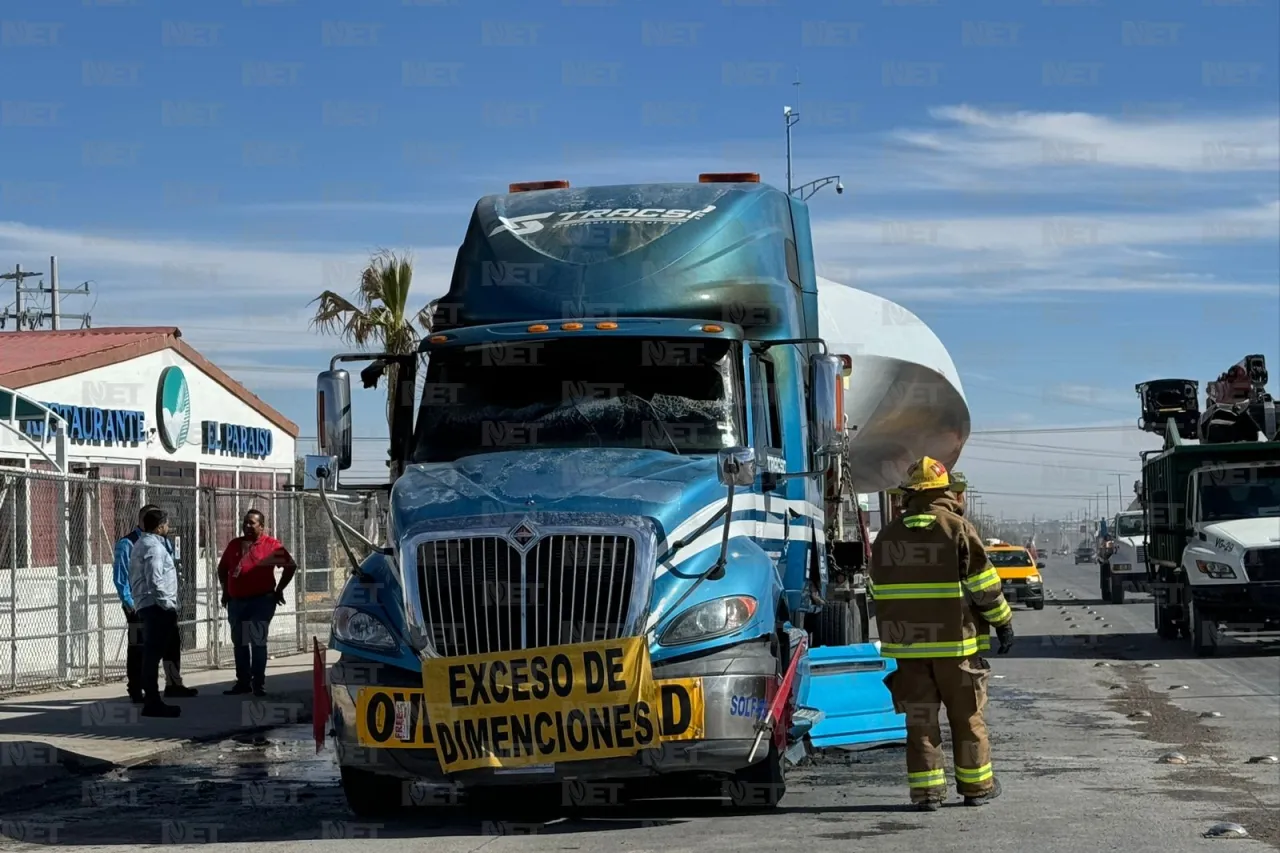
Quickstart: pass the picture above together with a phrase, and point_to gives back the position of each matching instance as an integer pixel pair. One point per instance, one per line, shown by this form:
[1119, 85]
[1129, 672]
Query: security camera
[839, 187]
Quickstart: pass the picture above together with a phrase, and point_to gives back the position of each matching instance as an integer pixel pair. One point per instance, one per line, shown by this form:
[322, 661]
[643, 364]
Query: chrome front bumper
[737, 685]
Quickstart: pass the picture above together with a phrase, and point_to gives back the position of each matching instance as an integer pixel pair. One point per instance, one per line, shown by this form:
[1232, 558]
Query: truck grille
[1262, 565]
[480, 595]
[1142, 554]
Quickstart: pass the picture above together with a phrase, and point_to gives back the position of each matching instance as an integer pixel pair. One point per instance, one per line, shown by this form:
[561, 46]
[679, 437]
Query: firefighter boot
[985, 798]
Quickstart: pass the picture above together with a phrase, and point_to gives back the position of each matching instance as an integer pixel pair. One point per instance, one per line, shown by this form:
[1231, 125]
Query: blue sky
[1075, 196]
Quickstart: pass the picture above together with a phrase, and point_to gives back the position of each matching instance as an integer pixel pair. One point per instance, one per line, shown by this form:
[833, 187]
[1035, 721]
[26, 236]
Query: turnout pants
[920, 687]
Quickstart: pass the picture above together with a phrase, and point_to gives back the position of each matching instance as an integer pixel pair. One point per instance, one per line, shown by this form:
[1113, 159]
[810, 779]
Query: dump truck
[1211, 505]
[606, 561]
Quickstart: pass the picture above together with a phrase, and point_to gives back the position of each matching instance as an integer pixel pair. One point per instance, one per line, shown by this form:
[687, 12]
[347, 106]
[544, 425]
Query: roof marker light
[607, 326]
[531, 186]
[437, 339]
[570, 327]
[729, 178]
[539, 327]
[711, 327]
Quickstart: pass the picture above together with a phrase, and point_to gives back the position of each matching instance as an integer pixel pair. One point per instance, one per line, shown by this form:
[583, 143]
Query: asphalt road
[1079, 774]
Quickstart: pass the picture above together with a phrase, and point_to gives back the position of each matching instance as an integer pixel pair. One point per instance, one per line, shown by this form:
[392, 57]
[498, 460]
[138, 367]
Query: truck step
[802, 722]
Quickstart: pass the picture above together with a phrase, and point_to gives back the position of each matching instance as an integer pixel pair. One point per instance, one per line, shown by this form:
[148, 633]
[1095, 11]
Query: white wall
[133, 385]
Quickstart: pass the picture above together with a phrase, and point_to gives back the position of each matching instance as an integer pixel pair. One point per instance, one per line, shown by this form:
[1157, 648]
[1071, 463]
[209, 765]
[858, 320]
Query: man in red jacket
[250, 592]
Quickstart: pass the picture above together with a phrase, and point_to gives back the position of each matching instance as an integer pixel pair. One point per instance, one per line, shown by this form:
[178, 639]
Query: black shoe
[983, 799]
[179, 691]
[136, 697]
[260, 690]
[927, 806]
[237, 689]
[159, 709]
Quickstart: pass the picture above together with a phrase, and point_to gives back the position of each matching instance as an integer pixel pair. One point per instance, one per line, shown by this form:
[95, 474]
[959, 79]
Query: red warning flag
[320, 701]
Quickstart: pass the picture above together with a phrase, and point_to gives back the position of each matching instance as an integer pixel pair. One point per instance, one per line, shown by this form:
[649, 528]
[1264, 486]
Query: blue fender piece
[846, 683]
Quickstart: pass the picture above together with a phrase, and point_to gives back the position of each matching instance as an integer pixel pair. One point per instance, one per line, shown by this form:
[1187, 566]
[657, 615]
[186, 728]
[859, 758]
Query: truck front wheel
[371, 795]
[1117, 590]
[1202, 628]
[760, 786]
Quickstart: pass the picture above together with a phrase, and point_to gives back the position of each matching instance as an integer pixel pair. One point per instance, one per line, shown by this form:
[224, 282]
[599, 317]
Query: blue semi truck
[620, 461]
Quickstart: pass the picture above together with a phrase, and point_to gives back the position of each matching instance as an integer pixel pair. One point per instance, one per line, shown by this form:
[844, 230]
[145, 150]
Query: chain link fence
[61, 619]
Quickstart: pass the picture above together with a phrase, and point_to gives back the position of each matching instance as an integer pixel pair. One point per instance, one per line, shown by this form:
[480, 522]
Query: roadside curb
[17, 779]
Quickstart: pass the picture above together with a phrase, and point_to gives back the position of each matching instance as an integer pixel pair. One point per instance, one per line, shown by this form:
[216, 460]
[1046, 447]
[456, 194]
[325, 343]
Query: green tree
[377, 317]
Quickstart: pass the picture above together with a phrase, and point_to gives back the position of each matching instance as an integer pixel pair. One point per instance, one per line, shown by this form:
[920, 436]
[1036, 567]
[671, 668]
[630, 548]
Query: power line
[1054, 464]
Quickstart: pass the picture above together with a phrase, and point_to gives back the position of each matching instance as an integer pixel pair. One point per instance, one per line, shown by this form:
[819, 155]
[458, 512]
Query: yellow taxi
[1020, 579]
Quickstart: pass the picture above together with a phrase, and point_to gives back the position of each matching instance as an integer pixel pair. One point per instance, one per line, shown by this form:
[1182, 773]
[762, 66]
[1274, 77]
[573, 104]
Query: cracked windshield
[598, 426]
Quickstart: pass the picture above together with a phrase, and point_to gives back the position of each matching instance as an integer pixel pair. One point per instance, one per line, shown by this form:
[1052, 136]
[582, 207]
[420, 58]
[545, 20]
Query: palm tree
[378, 317]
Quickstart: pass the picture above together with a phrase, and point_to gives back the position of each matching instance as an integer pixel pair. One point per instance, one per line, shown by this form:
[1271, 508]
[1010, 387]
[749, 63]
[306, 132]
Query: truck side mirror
[826, 389]
[1040, 564]
[333, 415]
[736, 466]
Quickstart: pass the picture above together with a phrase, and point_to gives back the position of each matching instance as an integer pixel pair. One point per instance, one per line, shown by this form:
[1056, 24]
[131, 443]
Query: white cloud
[1047, 140]
[209, 272]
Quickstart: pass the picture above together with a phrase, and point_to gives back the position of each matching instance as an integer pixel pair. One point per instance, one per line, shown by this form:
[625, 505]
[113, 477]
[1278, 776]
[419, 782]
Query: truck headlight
[1033, 579]
[1215, 570]
[361, 629]
[710, 619]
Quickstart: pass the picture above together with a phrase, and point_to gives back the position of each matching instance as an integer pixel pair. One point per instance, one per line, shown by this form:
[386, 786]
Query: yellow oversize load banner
[542, 706]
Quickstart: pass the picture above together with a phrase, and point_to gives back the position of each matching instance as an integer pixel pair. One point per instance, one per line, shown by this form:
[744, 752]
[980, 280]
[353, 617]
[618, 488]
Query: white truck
[1122, 561]
[1211, 500]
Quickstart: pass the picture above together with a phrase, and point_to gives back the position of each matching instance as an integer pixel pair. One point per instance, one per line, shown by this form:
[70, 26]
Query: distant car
[1084, 554]
[1020, 579]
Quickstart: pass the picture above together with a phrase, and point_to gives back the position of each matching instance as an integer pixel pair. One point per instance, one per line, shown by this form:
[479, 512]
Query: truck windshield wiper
[654, 409]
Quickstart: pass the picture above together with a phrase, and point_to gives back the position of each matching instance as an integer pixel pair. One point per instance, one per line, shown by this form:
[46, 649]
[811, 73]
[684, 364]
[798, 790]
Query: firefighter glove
[1005, 635]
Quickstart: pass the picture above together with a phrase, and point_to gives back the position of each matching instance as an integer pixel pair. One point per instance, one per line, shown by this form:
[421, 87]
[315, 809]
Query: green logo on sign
[173, 409]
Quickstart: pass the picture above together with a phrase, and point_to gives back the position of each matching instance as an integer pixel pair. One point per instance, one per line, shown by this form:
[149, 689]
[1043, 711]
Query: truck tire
[1203, 630]
[1117, 590]
[1166, 624]
[1104, 581]
[839, 623]
[760, 786]
[371, 795]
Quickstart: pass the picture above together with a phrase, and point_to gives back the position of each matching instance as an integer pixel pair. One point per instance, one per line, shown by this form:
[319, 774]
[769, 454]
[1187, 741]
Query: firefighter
[935, 594]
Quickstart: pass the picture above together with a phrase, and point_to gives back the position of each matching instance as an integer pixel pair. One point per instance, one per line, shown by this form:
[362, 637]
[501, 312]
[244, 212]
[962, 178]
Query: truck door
[776, 538]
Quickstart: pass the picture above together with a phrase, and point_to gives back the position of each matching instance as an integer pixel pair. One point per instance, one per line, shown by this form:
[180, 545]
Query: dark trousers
[159, 638]
[171, 655]
[250, 625]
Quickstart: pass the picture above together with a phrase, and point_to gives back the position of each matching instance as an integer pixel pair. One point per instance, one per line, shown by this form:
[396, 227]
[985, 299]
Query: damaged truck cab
[626, 419]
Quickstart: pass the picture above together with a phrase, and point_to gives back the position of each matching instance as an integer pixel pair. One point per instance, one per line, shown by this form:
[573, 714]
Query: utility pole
[16, 276]
[35, 319]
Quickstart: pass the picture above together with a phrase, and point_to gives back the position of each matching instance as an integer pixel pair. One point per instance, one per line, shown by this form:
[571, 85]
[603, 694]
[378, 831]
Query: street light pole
[805, 191]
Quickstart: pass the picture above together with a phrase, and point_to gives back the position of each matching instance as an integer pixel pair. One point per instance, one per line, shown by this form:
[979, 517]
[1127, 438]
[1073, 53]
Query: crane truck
[1211, 505]
[606, 556]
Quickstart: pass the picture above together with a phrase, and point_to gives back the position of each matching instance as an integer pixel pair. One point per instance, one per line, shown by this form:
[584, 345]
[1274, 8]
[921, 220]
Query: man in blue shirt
[173, 686]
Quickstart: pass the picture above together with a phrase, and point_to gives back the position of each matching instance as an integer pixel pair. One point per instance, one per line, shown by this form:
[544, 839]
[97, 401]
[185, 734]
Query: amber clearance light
[570, 327]
[729, 178]
[607, 326]
[539, 327]
[711, 327]
[437, 339]
[531, 186]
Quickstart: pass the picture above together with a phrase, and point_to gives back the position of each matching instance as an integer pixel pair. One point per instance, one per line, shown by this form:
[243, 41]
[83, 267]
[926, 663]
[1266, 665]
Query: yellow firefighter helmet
[926, 475]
